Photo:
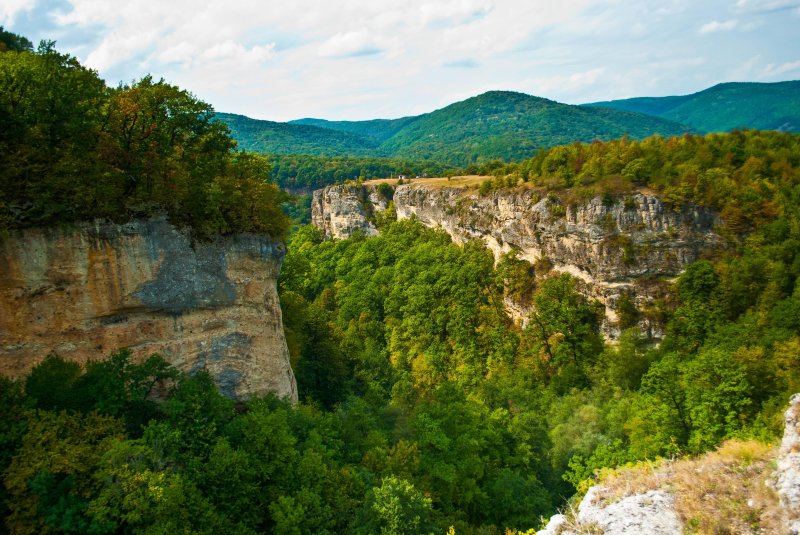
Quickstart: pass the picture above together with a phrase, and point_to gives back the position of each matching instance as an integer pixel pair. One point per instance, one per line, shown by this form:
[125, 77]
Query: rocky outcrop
[340, 211]
[86, 290]
[616, 246]
[654, 511]
[787, 474]
[651, 512]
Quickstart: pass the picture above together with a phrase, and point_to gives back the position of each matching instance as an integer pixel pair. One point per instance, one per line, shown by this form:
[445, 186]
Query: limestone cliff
[615, 246]
[340, 211]
[87, 290]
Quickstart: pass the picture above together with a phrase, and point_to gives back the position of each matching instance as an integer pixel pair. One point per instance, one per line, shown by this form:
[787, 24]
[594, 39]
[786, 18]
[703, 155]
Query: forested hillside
[503, 126]
[73, 149]
[746, 176]
[774, 106]
[510, 126]
[423, 406]
[287, 138]
[295, 171]
[495, 125]
[378, 129]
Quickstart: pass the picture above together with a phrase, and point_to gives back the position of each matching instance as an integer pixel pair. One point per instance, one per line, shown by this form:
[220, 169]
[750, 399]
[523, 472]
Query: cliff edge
[86, 290]
[614, 245]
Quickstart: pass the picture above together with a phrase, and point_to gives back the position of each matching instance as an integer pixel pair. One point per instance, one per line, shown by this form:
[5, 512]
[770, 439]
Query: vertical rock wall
[87, 290]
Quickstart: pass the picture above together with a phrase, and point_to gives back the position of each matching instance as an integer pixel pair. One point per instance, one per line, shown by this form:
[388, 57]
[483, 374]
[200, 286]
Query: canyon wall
[87, 290]
[616, 246]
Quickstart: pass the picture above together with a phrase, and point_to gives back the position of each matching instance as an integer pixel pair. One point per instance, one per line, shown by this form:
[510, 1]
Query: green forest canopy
[422, 406]
[723, 107]
[73, 149]
[495, 125]
[745, 176]
[304, 172]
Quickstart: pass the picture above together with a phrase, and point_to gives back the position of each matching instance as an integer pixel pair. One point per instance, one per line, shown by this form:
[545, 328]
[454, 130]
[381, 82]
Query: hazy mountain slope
[284, 138]
[770, 106]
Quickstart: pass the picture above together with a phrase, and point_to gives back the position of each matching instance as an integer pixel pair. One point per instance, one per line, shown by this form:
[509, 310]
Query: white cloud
[182, 52]
[567, 83]
[746, 70]
[230, 51]
[468, 63]
[716, 26]
[370, 58]
[447, 13]
[9, 9]
[772, 70]
[351, 44]
[766, 5]
[118, 47]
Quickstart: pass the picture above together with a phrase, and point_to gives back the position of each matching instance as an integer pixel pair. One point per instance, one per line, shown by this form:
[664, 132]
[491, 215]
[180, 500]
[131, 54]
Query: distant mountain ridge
[256, 135]
[500, 125]
[512, 126]
[723, 107]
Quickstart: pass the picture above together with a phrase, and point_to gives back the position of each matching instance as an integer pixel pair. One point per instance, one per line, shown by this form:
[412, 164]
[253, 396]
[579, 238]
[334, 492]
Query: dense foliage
[771, 106]
[512, 126]
[12, 41]
[496, 125]
[302, 172]
[73, 149]
[287, 138]
[378, 129]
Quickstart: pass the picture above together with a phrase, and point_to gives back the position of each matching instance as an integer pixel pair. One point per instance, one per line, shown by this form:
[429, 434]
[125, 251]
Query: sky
[364, 59]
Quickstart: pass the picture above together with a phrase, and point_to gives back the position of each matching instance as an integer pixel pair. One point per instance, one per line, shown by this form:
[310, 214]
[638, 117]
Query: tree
[394, 508]
[13, 42]
[138, 492]
[565, 323]
[51, 480]
[51, 105]
[50, 383]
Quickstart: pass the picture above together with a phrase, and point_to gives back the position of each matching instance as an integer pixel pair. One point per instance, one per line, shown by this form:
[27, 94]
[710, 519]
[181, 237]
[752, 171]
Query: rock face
[342, 210]
[787, 474]
[87, 290]
[651, 513]
[618, 246]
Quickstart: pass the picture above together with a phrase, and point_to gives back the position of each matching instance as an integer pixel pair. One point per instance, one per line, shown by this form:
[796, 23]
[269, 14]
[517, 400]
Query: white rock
[650, 513]
[554, 526]
[787, 474]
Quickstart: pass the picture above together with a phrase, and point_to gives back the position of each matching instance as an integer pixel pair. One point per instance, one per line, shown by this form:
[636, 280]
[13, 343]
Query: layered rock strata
[615, 246]
[87, 290]
[340, 211]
